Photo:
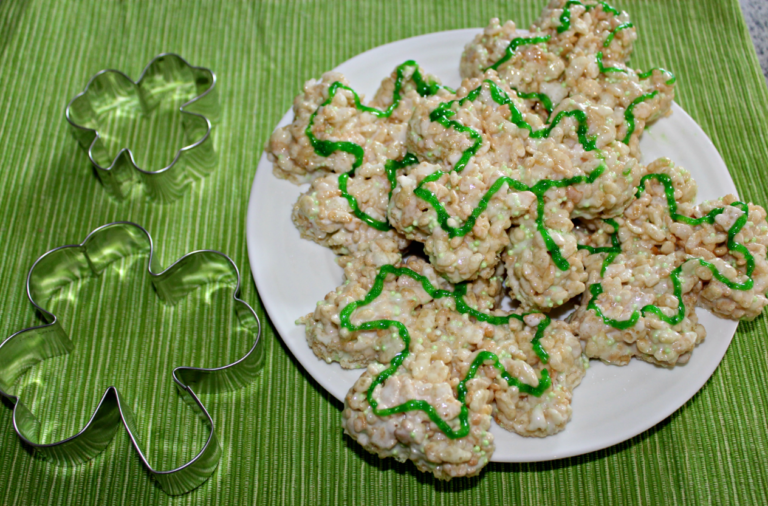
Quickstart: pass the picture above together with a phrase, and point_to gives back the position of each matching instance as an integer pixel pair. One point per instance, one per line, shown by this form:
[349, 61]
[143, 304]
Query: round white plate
[613, 403]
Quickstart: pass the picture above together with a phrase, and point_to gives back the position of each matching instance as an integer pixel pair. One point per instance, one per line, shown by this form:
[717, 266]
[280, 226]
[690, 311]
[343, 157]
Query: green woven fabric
[282, 438]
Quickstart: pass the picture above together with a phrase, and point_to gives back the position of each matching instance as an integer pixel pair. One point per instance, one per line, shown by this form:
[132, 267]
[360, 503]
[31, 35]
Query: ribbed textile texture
[282, 438]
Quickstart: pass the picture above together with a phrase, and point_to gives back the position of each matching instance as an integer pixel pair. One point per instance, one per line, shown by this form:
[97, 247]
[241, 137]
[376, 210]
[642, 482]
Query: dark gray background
[756, 15]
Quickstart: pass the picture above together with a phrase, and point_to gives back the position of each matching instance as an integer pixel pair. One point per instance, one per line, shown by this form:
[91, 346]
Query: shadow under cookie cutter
[109, 89]
[64, 265]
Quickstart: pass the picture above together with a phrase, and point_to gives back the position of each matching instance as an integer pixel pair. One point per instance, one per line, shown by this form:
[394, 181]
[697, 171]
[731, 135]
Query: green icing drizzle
[649, 73]
[442, 114]
[608, 8]
[610, 37]
[603, 69]
[541, 97]
[390, 167]
[746, 285]
[326, 148]
[629, 116]
[588, 143]
[669, 193]
[615, 246]
[565, 17]
[510, 50]
[512, 47]
[641, 75]
[613, 250]
[481, 358]
[609, 258]
[596, 289]
[539, 189]
[500, 97]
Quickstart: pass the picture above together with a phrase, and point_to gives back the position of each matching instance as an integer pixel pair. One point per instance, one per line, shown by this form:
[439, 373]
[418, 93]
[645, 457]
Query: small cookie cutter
[163, 76]
[60, 267]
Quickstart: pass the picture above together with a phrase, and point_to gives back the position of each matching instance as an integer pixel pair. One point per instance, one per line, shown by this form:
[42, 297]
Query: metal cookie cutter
[167, 77]
[60, 267]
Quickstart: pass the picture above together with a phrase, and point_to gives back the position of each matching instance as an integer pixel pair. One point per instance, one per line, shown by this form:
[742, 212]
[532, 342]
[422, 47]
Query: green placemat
[282, 438]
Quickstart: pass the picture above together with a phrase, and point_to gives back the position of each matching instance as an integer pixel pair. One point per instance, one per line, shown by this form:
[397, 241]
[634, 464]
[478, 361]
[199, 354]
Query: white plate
[613, 403]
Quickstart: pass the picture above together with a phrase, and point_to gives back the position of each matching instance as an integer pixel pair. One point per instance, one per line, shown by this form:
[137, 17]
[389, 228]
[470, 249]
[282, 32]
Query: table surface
[281, 436]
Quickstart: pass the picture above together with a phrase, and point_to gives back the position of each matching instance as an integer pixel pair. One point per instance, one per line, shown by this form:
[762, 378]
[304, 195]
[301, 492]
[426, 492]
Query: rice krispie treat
[433, 405]
[643, 305]
[329, 111]
[426, 407]
[548, 414]
[579, 28]
[412, 435]
[323, 215]
[532, 67]
[469, 247]
[533, 277]
[732, 253]
[399, 297]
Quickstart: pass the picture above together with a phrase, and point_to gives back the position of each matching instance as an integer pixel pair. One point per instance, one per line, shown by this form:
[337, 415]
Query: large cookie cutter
[164, 76]
[64, 265]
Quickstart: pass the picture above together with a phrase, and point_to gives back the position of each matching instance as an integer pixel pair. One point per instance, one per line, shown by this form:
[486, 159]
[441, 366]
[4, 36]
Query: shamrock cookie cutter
[168, 75]
[60, 267]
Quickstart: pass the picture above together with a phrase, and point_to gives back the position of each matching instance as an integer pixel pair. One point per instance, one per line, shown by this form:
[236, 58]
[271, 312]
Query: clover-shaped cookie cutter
[64, 265]
[163, 77]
